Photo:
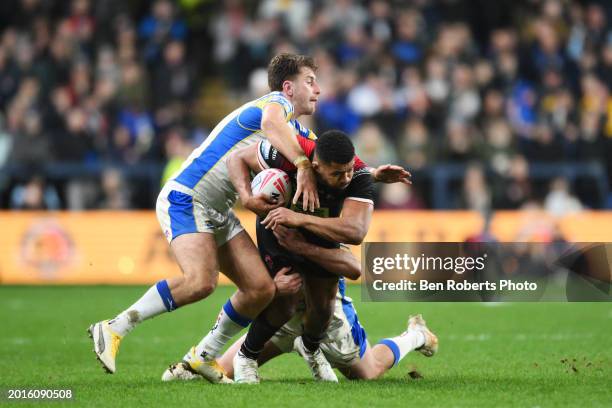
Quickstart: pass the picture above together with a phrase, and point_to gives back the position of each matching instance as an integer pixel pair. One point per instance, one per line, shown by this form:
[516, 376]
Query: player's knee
[261, 293]
[203, 289]
[280, 316]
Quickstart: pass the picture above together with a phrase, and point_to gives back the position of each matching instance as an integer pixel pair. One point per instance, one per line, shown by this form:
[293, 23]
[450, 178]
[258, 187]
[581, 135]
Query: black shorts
[276, 257]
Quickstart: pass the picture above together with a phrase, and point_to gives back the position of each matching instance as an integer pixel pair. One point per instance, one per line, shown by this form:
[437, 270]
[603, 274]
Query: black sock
[310, 342]
[259, 333]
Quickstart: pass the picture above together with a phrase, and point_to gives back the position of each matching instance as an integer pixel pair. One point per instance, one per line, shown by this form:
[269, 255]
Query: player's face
[306, 92]
[334, 175]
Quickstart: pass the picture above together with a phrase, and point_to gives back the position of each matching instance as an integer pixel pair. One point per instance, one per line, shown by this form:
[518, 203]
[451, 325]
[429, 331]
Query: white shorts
[180, 211]
[345, 340]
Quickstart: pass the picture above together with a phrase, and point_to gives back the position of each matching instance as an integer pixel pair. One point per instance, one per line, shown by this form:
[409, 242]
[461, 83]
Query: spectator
[6, 145]
[160, 26]
[34, 195]
[372, 147]
[114, 192]
[559, 201]
[459, 143]
[399, 197]
[476, 194]
[407, 48]
[516, 189]
[177, 150]
[416, 148]
[464, 100]
[173, 82]
[30, 145]
[497, 150]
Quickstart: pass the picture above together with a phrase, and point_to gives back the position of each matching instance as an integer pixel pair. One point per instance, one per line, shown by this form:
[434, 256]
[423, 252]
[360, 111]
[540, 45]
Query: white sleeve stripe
[363, 200]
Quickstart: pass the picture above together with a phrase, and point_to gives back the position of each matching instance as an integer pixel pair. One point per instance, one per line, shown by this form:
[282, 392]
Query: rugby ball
[274, 183]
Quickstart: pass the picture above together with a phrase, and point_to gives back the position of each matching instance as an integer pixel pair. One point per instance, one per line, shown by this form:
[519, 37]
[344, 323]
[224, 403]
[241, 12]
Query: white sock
[151, 304]
[404, 343]
[229, 323]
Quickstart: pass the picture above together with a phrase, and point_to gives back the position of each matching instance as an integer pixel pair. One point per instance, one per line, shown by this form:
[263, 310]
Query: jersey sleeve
[280, 99]
[359, 163]
[269, 157]
[303, 130]
[361, 187]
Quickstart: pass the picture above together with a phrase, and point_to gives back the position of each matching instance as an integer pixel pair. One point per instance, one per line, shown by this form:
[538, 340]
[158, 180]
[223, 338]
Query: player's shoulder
[361, 171]
[303, 130]
[278, 98]
[361, 187]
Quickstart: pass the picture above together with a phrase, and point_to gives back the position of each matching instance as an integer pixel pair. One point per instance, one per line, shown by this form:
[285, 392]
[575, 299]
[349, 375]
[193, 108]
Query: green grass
[540, 354]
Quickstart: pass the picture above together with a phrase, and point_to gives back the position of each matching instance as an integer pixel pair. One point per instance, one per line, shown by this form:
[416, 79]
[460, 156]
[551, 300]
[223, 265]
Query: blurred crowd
[499, 87]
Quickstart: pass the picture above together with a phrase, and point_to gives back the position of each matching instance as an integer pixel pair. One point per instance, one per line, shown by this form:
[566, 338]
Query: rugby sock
[155, 301]
[229, 323]
[259, 333]
[310, 342]
[404, 343]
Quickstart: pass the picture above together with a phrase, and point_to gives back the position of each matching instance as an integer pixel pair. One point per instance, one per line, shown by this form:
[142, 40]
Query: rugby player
[276, 259]
[345, 186]
[345, 343]
[194, 211]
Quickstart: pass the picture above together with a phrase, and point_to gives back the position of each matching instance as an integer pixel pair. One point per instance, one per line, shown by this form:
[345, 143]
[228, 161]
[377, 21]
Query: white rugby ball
[274, 183]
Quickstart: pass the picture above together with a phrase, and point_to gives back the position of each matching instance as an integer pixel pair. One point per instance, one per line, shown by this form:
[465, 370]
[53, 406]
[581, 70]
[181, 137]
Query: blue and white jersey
[204, 173]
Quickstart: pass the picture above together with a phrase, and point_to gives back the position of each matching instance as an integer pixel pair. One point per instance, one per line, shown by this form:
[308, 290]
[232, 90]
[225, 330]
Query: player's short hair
[334, 146]
[285, 67]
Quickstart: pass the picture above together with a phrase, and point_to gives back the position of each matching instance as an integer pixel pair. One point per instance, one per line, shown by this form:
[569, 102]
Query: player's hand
[287, 283]
[282, 216]
[307, 188]
[261, 204]
[390, 173]
[290, 238]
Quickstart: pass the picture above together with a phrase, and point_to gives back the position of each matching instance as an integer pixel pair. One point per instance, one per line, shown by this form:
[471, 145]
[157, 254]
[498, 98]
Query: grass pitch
[529, 354]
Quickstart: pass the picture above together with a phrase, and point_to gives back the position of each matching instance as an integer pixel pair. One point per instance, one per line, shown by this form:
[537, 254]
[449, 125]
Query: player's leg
[281, 342]
[389, 352]
[240, 262]
[269, 321]
[226, 361]
[181, 371]
[320, 294]
[373, 364]
[197, 282]
[193, 243]
[263, 328]
[256, 288]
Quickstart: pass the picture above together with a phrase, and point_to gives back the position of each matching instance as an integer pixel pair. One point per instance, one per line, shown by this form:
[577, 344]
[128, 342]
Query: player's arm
[351, 227]
[338, 261]
[390, 173]
[280, 135]
[239, 166]
[386, 173]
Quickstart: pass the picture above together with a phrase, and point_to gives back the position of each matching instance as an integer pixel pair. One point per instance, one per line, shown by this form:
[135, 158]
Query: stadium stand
[498, 105]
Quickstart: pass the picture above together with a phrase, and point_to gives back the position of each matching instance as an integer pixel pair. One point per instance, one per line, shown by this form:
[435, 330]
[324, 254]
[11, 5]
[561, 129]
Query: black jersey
[361, 188]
